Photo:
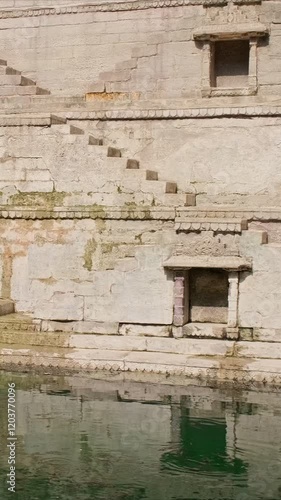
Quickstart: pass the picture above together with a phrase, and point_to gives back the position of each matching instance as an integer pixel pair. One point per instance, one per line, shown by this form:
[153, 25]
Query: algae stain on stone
[90, 249]
[46, 200]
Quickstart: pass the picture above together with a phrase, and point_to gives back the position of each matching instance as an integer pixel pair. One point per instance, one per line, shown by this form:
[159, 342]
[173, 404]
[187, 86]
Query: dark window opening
[208, 296]
[230, 63]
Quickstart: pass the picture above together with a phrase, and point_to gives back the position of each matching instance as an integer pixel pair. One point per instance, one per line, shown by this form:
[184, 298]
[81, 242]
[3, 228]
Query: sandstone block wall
[96, 199]
[73, 49]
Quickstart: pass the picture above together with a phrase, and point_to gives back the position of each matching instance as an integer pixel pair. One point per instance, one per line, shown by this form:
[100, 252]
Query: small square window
[230, 63]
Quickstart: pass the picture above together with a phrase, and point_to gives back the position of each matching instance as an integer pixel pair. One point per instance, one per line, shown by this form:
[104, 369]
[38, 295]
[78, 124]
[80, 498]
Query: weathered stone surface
[6, 307]
[204, 330]
[98, 202]
[270, 350]
[267, 335]
[145, 330]
[101, 328]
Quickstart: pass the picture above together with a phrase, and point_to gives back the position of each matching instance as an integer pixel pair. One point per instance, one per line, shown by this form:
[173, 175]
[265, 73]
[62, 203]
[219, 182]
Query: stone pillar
[181, 312]
[206, 70]
[252, 78]
[232, 299]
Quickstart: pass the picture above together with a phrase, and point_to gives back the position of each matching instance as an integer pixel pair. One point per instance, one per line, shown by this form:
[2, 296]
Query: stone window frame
[181, 264]
[207, 36]
[181, 298]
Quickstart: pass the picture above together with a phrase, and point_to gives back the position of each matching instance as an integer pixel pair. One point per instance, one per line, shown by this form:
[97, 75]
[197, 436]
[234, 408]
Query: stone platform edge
[171, 368]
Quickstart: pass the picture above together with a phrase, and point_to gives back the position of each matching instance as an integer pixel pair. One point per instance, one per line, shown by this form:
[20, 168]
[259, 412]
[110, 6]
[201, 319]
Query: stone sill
[229, 91]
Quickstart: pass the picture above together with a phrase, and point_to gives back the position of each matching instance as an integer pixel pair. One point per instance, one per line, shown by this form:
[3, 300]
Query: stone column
[232, 299]
[252, 78]
[181, 312]
[206, 69]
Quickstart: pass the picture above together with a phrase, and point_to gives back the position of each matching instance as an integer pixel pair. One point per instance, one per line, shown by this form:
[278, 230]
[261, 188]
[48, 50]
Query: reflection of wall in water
[161, 447]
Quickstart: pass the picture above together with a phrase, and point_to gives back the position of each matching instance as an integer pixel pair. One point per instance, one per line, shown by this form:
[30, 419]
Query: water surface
[96, 439]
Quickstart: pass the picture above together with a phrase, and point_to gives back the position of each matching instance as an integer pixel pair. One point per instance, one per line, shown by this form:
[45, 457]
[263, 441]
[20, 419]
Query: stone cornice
[95, 212]
[33, 118]
[106, 7]
[160, 114]
[226, 212]
[223, 219]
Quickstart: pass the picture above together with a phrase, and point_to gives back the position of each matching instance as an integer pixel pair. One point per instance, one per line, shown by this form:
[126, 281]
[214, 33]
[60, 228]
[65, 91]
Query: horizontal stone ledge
[102, 212]
[219, 220]
[110, 6]
[155, 112]
[172, 114]
[23, 119]
[246, 214]
[145, 365]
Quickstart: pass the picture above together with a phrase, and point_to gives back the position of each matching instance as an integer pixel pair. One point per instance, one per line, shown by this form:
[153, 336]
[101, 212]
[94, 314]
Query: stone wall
[145, 49]
[96, 199]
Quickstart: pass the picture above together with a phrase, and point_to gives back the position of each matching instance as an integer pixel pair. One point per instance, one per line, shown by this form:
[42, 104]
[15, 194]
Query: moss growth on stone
[90, 249]
[109, 247]
[37, 199]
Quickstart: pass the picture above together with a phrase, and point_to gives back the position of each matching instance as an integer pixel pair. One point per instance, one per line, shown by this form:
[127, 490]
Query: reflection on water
[89, 439]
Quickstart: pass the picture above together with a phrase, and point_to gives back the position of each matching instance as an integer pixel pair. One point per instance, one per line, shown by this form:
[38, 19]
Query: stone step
[92, 342]
[263, 350]
[9, 70]
[10, 79]
[149, 175]
[168, 345]
[136, 182]
[94, 141]
[146, 364]
[65, 129]
[113, 152]
[133, 164]
[7, 306]
[21, 90]
[57, 120]
[171, 187]
[15, 79]
[15, 322]
[175, 200]
[75, 130]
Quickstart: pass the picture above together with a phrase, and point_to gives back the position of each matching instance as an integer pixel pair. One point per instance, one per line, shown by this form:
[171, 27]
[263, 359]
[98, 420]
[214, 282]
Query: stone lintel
[230, 31]
[205, 262]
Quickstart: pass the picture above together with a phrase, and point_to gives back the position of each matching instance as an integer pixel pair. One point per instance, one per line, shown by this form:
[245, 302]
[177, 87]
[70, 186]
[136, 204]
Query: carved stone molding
[223, 225]
[38, 119]
[108, 7]
[171, 114]
[200, 219]
[243, 215]
[100, 212]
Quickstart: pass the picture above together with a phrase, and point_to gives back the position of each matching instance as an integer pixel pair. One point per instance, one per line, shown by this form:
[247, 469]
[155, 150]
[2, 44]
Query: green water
[108, 440]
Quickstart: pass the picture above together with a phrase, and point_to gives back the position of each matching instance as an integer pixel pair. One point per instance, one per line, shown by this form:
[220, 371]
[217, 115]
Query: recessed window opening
[230, 63]
[208, 295]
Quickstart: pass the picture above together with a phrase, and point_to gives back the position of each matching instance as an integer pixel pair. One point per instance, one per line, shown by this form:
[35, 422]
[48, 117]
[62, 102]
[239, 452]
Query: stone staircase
[12, 83]
[127, 171]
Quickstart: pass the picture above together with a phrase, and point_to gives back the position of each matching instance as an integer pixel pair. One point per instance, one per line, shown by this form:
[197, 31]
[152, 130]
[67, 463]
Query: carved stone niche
[206, 289]
[229, 58]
